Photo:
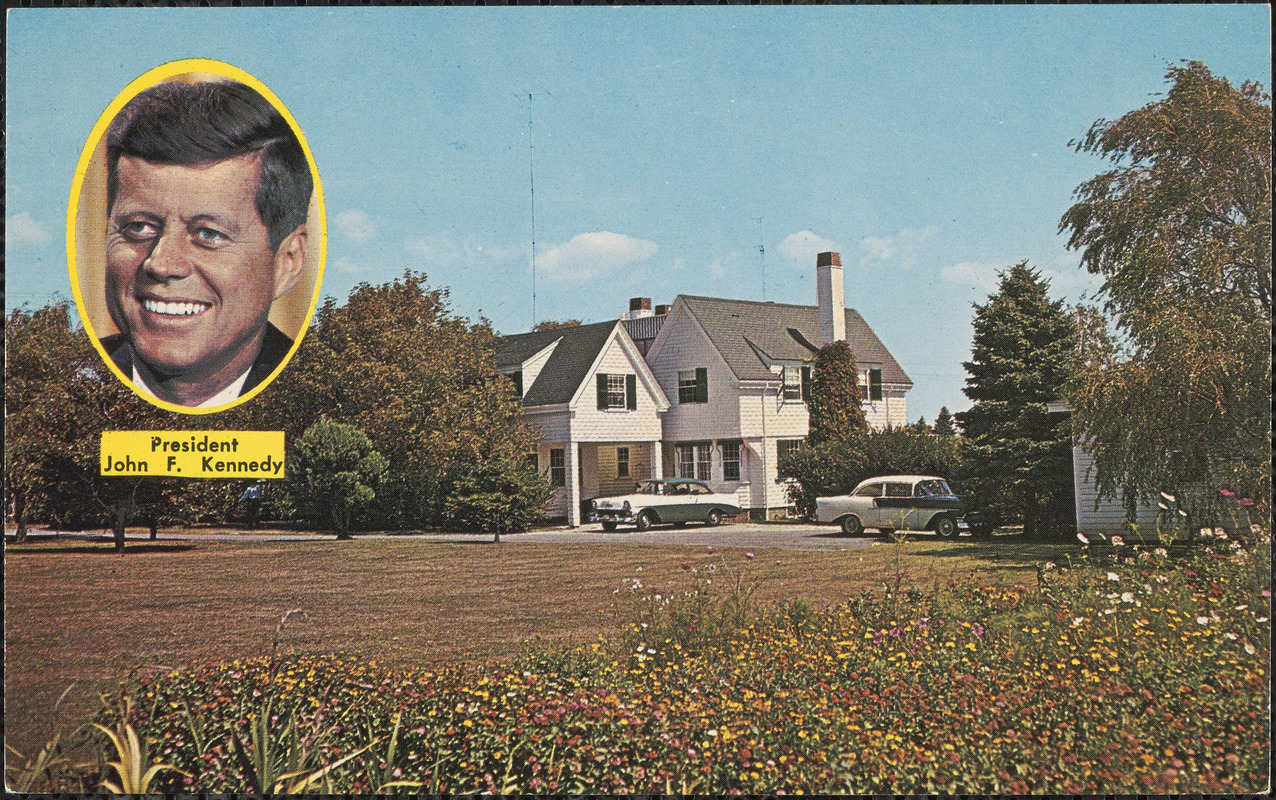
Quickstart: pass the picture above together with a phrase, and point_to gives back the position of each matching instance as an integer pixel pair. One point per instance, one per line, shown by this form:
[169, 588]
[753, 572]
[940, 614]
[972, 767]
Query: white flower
[1231, 636]
[1082, 537]
[1112, 576]
[1249, 648]
[1242, 607]
[1161, 552]
[1118, 541]
[1202, 620]
[1169, 498]
[1049, 565]
[1127, 597]
[1076, 621]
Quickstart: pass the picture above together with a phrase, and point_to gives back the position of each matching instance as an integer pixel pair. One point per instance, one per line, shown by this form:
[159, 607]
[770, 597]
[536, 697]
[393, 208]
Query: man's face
[190, 274]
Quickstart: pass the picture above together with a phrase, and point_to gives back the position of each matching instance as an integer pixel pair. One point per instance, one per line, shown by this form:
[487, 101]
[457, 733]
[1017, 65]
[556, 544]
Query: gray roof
[743, 329]
[567, 365]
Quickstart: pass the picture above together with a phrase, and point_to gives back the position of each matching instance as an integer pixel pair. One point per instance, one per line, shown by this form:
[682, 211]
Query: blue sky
[929, 146]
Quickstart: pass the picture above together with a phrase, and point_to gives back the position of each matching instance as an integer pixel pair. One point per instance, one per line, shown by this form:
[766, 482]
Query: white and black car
[895, 502]
[654, 502]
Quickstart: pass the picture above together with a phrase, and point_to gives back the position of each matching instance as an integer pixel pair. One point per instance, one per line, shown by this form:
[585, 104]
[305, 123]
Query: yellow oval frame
[295, 315]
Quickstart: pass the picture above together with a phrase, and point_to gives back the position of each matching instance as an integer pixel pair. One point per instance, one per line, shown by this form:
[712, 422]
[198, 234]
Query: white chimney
[832, 297]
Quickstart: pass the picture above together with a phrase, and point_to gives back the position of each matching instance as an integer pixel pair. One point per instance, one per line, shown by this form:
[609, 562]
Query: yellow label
[194, 454]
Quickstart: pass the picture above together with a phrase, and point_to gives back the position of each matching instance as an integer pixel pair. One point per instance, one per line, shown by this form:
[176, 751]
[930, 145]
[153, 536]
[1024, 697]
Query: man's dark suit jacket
[273, 350]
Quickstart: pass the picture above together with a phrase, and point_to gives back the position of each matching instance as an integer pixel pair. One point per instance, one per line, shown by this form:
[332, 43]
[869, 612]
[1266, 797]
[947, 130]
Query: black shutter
[806, 384]
[602, 392]
[631, 392]
[702, 384]
[517, 377]
[874, 384]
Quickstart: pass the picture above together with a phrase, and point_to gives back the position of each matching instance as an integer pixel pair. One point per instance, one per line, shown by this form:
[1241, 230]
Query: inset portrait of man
[208, 191]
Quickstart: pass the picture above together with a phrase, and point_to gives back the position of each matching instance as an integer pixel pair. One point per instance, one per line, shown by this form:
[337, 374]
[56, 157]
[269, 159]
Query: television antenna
[762, 254]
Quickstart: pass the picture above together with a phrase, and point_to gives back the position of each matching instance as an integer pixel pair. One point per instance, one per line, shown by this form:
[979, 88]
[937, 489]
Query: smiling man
[207, 193]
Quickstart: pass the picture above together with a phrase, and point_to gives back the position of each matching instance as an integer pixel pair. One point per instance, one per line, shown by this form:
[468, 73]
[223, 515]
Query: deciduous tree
[1180, 230]
[1017, 460]
[334, 472]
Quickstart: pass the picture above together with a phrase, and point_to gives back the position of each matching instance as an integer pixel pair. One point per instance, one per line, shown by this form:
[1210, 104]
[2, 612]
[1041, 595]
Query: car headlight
[626, 505]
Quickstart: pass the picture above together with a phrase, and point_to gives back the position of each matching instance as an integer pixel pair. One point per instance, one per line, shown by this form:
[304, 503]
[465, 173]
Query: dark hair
[195, 123]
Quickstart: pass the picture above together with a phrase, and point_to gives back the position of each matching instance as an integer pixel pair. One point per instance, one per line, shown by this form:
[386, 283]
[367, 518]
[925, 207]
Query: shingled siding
[686, 349]
[892, 408]
[1109, 517]
[590, 424]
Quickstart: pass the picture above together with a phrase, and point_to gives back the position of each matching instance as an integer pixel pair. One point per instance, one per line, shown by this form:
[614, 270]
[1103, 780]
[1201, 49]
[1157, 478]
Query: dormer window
[617, 392]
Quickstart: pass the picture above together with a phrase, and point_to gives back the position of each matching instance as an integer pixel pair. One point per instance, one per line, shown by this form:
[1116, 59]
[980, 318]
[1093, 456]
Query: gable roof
[745, 332]
[567, 365]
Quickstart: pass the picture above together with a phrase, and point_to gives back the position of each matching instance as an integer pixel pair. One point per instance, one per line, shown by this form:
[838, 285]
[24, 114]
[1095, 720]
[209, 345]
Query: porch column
[657, 460]
[571, 461]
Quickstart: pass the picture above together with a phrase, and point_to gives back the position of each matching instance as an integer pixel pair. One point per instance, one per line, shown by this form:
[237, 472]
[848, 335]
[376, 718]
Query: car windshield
[932, 488]
[649, 487]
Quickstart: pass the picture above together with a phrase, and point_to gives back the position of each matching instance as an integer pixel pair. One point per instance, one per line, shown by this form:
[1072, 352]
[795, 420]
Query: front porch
[581, 471]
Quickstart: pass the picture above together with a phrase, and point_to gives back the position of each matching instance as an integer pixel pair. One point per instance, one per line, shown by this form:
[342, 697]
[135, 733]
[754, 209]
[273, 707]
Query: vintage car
[895, 502]
[673, 500]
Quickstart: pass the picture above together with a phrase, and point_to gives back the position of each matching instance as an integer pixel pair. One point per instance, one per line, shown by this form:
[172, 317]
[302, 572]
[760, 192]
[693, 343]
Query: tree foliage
[944, 423]
[497, 496]
[335, 472]
[59, 398]
[834, 468]
[834, 401]
[1017, 465]
[555, 325]
[417, 380]
[1180, 230]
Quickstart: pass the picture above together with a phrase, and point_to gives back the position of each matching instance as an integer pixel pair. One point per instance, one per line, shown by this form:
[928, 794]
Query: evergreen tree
[1017, 466]
[944, 423]
[834, 396]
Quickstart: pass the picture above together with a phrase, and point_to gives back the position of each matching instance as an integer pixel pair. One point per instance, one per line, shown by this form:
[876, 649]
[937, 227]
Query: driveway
[752, 535]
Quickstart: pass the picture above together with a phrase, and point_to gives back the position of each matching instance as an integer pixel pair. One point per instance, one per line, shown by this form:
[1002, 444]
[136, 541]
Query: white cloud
[980, 276]
[355, 224]
[442, 251]
[803, 246]
[593, 255]
[902, 247]
[346, 266]
[23, 231]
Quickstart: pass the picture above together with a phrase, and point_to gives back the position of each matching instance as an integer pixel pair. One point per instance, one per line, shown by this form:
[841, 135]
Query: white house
[597, 405]
[721, 393]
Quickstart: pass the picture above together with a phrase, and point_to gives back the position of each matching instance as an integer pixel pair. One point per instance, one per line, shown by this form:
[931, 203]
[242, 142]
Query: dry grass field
[82, 616]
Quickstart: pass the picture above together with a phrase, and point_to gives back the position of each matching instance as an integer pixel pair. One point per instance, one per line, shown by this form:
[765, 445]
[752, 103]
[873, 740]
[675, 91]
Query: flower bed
[1137, 673]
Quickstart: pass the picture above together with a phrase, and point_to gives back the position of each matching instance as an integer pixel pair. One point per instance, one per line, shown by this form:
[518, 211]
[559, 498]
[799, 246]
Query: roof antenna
[762, 253]
[531, 168]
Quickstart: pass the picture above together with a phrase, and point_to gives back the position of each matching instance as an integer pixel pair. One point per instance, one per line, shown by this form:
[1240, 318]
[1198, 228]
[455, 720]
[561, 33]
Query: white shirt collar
[227, 395]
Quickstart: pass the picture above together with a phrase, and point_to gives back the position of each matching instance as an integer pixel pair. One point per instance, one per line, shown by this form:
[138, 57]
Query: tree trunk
[121, 517]
[20, 516]
[341, 521]
[154, 528]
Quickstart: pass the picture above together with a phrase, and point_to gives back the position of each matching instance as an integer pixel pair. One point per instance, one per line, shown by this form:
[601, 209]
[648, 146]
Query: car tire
[945, 526]
[644, 521]
[851, 525]
[610, 527]
[714, 519]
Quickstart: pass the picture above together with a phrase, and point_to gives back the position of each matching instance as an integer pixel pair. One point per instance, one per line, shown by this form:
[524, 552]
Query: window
[622, 462]
[730, 461]
[899, 490]
[874, 384]
[617, 392]
[871, 490]
[696, 488]
[517, 378]
[557, 466]
[782, 448]
[792, 383]
[534, 461]
[694, 461]
[693, 385]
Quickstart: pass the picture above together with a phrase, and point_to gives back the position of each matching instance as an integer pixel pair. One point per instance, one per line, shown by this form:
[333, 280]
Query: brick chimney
[638, 307]
[831, 297]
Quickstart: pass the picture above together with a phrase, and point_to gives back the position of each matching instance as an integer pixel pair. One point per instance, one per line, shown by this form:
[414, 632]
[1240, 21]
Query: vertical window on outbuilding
[557, 467]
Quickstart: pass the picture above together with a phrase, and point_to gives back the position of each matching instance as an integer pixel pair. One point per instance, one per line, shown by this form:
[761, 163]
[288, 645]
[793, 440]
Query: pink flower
[1227, 492]
[1245, 501]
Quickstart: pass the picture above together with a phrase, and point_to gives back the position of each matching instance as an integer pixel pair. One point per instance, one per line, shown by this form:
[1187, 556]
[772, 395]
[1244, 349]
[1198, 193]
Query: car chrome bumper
[605, 515]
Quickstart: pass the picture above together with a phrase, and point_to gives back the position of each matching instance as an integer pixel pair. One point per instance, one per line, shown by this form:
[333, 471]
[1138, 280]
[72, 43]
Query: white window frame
[727, 447]
[616, 392]
[622, 462]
